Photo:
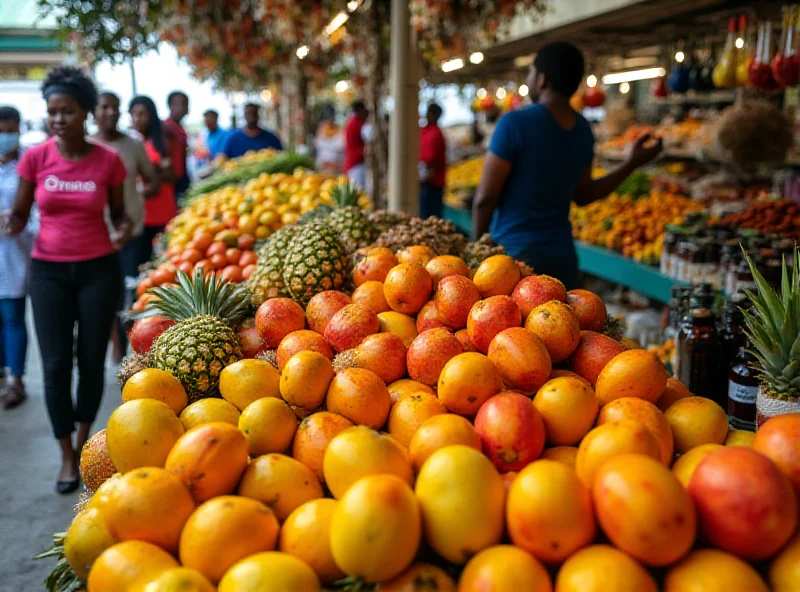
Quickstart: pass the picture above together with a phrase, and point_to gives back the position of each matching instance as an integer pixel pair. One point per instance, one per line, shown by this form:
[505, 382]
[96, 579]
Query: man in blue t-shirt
[215, 135]
[539, 161]
[251, 136]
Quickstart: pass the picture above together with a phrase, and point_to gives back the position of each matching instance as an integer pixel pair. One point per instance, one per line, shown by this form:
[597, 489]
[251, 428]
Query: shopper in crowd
[75, 274]
[140, 171]
[329, 142]
[15, 259]
[354, 144]
[177, 139]
[215, 136]
[432, 164]
[160, 208]
[539, 161]
[251, 137]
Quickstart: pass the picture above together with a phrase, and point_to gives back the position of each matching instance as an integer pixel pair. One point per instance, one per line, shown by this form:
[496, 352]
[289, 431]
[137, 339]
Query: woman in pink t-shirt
[75, 268]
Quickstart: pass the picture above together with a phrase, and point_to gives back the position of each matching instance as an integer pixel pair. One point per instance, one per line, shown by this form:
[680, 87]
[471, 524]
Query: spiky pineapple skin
[315, 261]
[352, 226]
[195, 351]
[266, 281]
[132, 364]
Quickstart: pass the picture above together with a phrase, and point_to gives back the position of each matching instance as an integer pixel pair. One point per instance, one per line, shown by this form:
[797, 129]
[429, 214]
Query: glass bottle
[699, 355]
[731, 333]
[742, 391]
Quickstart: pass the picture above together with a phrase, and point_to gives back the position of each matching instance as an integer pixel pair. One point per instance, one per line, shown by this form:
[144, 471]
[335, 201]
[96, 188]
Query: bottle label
[741, 393]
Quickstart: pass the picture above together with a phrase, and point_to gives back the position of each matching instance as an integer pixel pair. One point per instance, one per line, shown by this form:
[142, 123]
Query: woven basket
[767, 407]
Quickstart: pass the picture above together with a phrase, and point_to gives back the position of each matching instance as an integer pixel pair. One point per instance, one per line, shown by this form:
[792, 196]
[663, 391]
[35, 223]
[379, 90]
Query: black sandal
[67, 487]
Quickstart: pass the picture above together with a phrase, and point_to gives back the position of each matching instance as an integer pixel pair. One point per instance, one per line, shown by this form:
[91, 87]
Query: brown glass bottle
[742, 391]
[699, 357]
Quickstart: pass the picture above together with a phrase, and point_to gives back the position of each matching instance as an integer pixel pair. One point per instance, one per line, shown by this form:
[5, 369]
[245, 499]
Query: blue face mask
[9, 142]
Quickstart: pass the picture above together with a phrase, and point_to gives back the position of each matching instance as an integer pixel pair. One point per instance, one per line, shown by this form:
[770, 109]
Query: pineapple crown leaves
[344, 194]
[774, 325]
[199, 296]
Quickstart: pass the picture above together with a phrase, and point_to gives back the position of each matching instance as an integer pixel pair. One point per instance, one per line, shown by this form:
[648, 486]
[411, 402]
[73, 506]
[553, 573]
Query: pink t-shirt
[72, 197]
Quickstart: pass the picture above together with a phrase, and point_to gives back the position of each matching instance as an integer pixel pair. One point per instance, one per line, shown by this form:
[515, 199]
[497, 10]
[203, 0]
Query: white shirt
[15, 251]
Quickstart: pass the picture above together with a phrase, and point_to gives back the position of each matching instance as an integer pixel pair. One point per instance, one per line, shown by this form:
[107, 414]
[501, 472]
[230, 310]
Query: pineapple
[270, 356]
[320, 212]
[132, 364]
[266, 280]
[348, 220]
[483, 248]
[202, 343]
[383, 220]
[773, 326]
[315, 261]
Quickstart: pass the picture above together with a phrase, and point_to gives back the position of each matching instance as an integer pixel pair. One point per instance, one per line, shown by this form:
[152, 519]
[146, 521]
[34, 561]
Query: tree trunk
[133, 76]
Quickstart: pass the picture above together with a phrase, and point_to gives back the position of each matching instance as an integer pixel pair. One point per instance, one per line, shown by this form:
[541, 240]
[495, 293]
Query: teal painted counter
[603, 263]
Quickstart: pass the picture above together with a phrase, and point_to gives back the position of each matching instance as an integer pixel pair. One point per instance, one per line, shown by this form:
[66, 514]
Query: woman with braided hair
[75, 274]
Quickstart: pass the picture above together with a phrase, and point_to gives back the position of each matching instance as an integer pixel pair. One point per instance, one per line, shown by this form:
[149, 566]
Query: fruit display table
[599, 262]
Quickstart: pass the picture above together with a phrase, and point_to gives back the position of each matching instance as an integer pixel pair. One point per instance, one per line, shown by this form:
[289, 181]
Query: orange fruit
[406, 386]
[100, 497]
[420, 577]
[248, 380]
[410, 412]
[268, 425]
[148, 505]
[675, 391]
[428, 318]
[276, 318]
[360, 451]
[128, 564]
[179, 579]
[549, 511]
[601, 568]
[384, 354]
[305, 379]
[568, 407]
[375, 529]
[487, 318]
[646, 414]
[466, 343]
[740, 438]
[321, 308]
[301, 341]
[407, 287]
[87, 537]
[594, 351]
[557, 326]
[453, 300]
[632, 373]
[429, 353]
[497, 276]
[207, 411]
[209, 460]
[446, 265]
[522, 359]
[160, 385]
[686, 464]
[440, 431]
[534, 290]
[225, 530]
[419, 255]
[399, 324]
[96, 465]
[643, 509]
[784, 570]
[563, 454]
[589, 308]
[467, 381]
[280, 482]
[462, 498]
[504, 568]
[306, 534]
[374, 267]
[140, 433]
[610, 440]
[710, 570]
[695, 421]
[313, 436]
[779, 440]
[360, 396]
[371, 294]
[271, 571]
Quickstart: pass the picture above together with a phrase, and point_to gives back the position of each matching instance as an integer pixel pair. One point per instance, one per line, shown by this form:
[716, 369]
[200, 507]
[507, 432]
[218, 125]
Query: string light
[451, 65]
[625, 88]
[266, 95]
[476, 58]
[679, 57]
[481, 94]
[739, 43]
[500, 93]
[591, 81]
[341, 86]
[523, 90]
[302, 51]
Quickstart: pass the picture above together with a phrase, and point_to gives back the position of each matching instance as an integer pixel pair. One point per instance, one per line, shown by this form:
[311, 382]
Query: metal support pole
[404, 128]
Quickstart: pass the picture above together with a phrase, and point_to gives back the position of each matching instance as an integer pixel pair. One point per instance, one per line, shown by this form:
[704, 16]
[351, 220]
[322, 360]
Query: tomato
[203, 239]
[215, 249]
[192, 255]
[175, 259]
[218, 261]
[186, 268]
[248, 258]
[232, 273]
[162, 276]
[233, 256]
[247, 271]
[205, 265]
[143, 286]
[246, 242]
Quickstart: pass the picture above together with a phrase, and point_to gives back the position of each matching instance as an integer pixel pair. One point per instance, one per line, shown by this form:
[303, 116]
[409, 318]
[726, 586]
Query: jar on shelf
[731, 332]
[699, 357]
[669, 250]
[743, 390]
[730, 253]
[687, 259]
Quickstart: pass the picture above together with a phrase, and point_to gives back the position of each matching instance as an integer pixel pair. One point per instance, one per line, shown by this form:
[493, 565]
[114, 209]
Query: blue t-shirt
[238, 143]
[215, 141]
[532, 217]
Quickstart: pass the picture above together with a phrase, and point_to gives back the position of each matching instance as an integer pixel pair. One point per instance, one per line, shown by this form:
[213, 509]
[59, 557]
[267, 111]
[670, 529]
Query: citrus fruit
[467, 381]
[695, 421]
[301, 341]
[207, 411]
[632, 373]
[179, 579]
[401, 325]
[589, 308]
[268, 425]
[440, 431]
[711, 570]
[779, 439]
[646, 414]
[87, 537]
[504, 568]
[684, 467]
[558, 328]
[271, 571]
[160, 385]
[521, 358]
[445, 266]
[740, 438]
[675, 391]
[419, 578]
[594, 351]
[497, 276]
[609, 440]
[534, 290]
[384, 354]
[429, 353]
[406, 386]
[321, 308]
[360, 396]
[489, 317]
[350, 325]
[407, 287]
[568, 407]
[128, 564]
[453, 300]
[140, 433]
[601, 568]
[410, 412]
[246, 381]
[563, 454]
[306, 535]
[511, 429]
[313, 436]
[784, 570]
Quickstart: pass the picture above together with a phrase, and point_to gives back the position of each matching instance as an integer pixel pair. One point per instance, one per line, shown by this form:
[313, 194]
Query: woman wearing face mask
[75, 275]
[15, 258]
[139, 169]
[160, 208]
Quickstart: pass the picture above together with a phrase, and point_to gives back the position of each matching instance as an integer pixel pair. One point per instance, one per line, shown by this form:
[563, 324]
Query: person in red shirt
[354, 145]
[178, 104]
[432, 165]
